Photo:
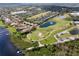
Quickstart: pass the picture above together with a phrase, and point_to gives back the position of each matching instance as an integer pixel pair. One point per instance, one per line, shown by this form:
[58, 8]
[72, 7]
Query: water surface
[48, 24]
[6, 47]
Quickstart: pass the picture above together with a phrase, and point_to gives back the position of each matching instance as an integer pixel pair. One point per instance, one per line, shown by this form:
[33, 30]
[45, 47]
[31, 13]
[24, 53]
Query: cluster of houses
[10, 17]
[40, 16]
[27, 11]
[19, 24]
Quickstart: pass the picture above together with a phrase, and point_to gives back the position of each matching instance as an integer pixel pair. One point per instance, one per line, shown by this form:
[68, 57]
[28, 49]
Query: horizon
[39, 4]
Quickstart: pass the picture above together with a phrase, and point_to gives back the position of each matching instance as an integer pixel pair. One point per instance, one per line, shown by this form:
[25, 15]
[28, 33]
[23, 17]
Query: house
[22, 26]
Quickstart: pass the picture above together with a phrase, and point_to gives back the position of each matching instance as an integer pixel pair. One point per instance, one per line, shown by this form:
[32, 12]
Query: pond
[6, 47]
[48, 24]
[74, 31]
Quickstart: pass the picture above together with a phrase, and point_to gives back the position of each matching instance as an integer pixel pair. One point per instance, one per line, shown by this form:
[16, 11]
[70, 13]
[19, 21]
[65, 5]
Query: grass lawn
[34, 35]
[65, 35]
[11, 29]
[1, 23]
[49, 39]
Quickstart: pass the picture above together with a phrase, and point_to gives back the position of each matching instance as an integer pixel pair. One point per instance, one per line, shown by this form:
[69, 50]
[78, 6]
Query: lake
[6, 46]
[48, 24]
